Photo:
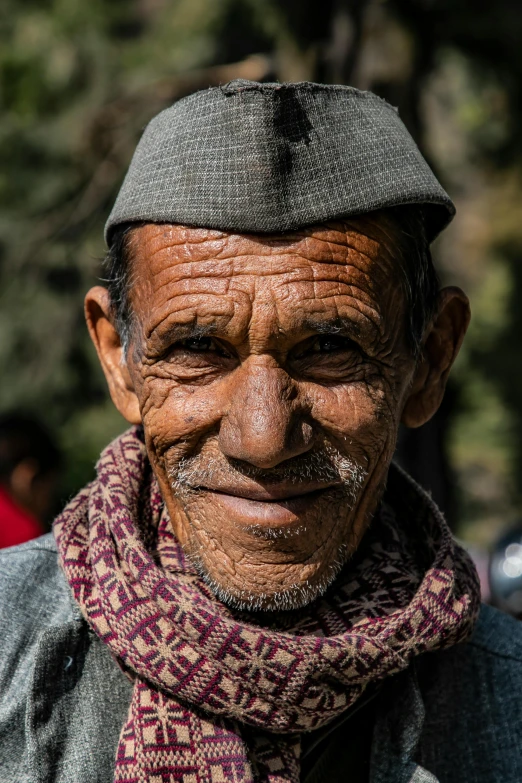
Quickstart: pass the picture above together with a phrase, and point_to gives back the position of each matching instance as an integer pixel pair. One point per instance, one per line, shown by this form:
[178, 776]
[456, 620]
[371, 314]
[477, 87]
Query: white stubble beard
[188, 474]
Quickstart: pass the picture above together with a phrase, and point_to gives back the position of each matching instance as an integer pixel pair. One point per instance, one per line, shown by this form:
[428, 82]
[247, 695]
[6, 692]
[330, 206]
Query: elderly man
[249, 590]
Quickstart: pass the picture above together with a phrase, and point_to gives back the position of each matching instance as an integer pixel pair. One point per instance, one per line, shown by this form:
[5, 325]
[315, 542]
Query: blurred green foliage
[78, 81]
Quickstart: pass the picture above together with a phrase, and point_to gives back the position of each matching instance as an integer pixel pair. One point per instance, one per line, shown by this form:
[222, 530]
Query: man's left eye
[200, 344]
[328, 343]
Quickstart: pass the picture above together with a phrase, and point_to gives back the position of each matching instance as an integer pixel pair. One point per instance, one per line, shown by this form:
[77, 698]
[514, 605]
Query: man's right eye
[200, 345]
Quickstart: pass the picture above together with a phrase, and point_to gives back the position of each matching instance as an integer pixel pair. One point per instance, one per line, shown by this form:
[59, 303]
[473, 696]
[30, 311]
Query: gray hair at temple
[274, 158]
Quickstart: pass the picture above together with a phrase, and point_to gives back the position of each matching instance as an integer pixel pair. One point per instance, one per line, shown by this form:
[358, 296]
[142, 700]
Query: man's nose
[264, 424]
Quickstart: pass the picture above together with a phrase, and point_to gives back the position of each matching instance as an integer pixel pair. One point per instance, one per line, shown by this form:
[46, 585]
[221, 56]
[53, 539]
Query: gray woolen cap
[251, 157]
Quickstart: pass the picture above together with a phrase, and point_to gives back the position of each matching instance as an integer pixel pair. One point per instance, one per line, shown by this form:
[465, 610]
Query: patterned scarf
[217, 697]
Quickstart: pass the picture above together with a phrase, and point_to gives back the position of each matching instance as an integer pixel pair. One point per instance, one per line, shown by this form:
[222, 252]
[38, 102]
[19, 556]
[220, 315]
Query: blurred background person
[29, 471]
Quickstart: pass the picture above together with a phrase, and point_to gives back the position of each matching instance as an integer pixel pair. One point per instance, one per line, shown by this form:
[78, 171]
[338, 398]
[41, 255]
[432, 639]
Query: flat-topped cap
[256, 158]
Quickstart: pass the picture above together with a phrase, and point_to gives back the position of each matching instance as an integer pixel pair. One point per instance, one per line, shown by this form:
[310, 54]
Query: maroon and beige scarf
[216, 697]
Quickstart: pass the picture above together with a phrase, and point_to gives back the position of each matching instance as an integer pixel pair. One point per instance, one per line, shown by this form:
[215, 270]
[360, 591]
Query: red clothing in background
[16, 524]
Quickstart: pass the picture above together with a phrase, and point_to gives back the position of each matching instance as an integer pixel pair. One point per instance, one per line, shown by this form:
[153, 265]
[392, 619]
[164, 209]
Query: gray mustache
[326, 465]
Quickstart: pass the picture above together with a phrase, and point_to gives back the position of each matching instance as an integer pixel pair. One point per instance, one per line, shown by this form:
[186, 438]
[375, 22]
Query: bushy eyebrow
[162, 337]
[343, 326]
[176, 332]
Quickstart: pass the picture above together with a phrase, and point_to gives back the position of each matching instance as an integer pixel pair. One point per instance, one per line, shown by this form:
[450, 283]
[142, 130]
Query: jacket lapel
[400, 718]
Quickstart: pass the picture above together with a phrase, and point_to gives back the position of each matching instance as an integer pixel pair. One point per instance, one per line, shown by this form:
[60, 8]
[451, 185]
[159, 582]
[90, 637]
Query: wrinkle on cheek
[177, 417]
[153, 398]
[360, 415]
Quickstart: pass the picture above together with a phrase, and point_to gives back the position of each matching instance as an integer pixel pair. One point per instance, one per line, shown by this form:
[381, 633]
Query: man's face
[270, 375]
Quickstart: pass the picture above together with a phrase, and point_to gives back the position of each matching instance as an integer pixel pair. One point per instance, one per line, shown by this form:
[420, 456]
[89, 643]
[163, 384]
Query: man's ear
[108, 345]
[441, 345]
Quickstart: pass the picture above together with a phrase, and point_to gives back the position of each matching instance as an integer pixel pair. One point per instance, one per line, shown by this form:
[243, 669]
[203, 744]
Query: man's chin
[296, 595]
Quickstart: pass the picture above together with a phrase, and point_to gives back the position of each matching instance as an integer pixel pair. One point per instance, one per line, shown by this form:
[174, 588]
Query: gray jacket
[453, 716]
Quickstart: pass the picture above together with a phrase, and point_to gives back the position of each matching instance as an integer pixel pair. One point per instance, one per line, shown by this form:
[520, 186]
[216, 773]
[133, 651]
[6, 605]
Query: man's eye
[328, 343]
[199, 344]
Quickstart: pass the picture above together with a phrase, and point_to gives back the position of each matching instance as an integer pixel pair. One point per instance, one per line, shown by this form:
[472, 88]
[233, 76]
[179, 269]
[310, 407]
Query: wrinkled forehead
[340, 271]
[367, 243]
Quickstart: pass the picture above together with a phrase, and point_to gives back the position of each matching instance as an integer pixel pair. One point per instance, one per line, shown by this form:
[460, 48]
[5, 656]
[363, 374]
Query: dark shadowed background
[79, 80]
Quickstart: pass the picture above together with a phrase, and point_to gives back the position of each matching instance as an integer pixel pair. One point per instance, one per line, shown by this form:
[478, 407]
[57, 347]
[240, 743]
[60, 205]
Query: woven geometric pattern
[216, 697]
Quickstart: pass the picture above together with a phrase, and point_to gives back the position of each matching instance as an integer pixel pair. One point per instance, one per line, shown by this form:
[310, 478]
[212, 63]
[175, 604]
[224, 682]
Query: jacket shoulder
[61, 692]
[498, 634]
[473, 700]
[45, 543]
[33, 590]
[34, 597]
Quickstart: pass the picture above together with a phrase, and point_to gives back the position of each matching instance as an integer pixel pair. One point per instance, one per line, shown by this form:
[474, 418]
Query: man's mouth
[286, 497]
[275, 506]
[273, 493]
